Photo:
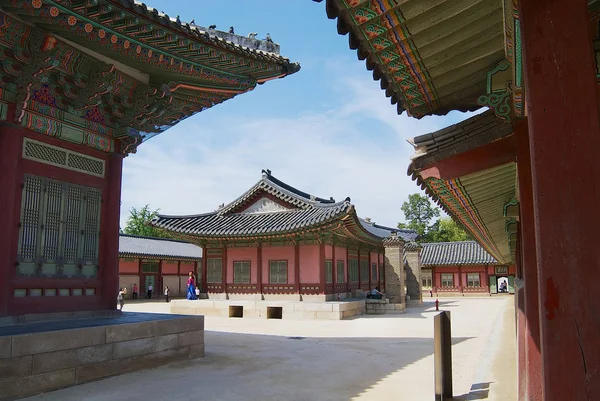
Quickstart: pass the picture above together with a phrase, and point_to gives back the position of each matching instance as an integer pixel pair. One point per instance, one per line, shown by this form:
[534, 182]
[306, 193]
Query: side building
[157, 261]
[275, 242]
[462, 268]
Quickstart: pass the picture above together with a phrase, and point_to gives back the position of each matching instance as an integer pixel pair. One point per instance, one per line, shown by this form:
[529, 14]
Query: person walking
[149, 291]
[191, 293]
[166, 293]
[135, 291]
[121, 299]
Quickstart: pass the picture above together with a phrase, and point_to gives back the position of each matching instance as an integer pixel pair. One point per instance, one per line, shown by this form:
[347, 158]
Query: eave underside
[430, 57]
[476, 201]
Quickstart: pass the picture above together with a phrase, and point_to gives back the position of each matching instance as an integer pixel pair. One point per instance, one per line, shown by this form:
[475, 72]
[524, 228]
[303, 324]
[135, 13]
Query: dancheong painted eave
[475, 197]
[430, 57]
[129, 70]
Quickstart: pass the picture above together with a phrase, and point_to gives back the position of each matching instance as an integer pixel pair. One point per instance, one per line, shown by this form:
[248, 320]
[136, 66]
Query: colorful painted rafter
[383, 26]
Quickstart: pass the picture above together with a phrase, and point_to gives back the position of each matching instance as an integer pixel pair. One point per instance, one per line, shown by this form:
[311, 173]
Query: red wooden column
[529, 265]
[521, 327]
[322, 266]
[297, 266]
[360, 277]
[333, 268]
[110, 237]
[224, 272]
[10, 152]
[204, 270]
[259, 279]
[564, 135]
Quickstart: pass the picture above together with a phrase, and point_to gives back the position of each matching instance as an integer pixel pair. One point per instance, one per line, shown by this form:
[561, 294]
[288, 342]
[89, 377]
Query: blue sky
[328, 129]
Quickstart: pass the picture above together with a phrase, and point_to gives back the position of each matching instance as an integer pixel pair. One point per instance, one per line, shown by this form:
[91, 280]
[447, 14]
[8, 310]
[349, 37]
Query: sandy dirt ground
[366, 358]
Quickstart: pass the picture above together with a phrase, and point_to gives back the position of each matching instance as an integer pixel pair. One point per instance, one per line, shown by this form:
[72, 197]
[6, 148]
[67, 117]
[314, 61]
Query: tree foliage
[419, 213]
[138, 223]
[448, 231]
[423, 217]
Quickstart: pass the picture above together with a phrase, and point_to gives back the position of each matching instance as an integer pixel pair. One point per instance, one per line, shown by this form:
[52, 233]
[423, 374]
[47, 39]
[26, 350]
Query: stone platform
[382, 307]
[42, 356]
[297, 310]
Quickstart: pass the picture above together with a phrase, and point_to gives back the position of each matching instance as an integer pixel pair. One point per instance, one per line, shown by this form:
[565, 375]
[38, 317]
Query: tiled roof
[384, 232]
[209, 36]
[308, 211]
[133, 245]
[458, 138]
[454, 253]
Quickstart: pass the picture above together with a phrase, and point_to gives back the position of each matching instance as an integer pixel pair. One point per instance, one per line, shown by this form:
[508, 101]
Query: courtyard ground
[367, 358]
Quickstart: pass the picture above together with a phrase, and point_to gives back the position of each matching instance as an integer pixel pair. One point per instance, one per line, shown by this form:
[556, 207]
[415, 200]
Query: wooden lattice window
[241, 272]
[447, 280]
[214, 270]
[278, 271]
[473, 280]
[364, 270]
[353, 270]
[60, 229]
[329, 271]
[150, 267]
[341, 277]
[373, 272]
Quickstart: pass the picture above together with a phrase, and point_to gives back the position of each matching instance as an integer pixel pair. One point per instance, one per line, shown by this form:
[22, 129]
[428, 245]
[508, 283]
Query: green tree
[419, 213]
[138, 223]
[447, 230]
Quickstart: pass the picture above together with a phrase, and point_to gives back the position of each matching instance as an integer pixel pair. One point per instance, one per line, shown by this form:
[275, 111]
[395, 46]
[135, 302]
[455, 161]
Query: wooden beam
[482, 158]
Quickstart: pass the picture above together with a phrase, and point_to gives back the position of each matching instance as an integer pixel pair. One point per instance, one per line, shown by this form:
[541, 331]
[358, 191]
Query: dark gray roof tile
[454, 253]
[132, 245]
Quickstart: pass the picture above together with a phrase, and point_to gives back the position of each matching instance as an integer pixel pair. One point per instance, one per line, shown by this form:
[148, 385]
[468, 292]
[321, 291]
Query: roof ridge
[452, 242]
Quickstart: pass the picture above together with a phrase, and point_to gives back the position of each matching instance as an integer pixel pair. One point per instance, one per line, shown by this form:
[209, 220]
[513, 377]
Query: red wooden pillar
[460, 280]
[110, 237]
[382, 271]
[322, 266]
[204, 269]
[370, 270]
[224, 273]
[433, 281]
[10, 152]
[564, 135]
[360, 277]
[333, 268]
[297, 266]
[529, 265]
[259, 279]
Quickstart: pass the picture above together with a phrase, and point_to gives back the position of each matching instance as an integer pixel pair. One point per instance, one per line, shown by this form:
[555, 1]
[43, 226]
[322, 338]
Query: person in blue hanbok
[191, 292]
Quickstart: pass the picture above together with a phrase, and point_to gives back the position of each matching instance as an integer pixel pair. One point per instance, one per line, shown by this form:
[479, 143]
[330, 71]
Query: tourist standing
[121, 299]
[149, 291]
[197, 292]
[191, 293]
[166, 293]
[135, 291]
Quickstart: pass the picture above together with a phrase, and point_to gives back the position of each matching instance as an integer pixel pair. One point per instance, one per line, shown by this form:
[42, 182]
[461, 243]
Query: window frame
[340, 270]
[471, 282]
[353, 270]
[242, 264]
[445, 280]
[374, 273]
[328, 271]
[278, 273]
[153, 270]
[211, 271]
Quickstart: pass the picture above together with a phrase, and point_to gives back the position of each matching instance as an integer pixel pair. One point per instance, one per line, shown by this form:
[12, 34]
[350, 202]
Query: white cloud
[357, 148]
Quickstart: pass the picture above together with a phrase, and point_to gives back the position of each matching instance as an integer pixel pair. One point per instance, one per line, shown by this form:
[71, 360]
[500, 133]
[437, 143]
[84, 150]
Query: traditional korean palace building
[276, 242]
[462, 268]
[157, 261]
[522, 177]
[82, 84]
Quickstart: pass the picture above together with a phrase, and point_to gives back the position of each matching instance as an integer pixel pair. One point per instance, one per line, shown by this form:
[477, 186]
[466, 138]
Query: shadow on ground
[264, 367]
[479, 391]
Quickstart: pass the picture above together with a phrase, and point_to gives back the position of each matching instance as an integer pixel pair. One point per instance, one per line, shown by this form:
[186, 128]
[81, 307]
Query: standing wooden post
[442, 356]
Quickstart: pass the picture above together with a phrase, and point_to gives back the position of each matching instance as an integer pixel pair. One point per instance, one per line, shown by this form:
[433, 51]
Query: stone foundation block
[60, 360]
[328, 315]
[13, 388]
[37, 343]
[126, 332]
[11, 368]
[144, 346]
[5, 347]
[190, 338]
